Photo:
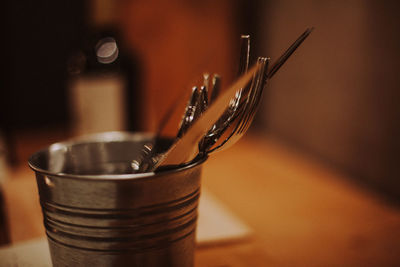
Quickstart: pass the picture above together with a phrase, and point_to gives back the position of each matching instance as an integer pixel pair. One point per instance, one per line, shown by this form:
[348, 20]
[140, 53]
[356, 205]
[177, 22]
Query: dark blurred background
[336, 98]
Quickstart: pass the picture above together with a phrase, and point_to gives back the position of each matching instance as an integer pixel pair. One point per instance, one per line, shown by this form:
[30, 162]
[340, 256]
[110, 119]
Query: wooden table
[302, 213]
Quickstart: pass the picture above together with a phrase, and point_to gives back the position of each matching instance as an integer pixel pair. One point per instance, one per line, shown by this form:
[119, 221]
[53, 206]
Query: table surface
[302, 212]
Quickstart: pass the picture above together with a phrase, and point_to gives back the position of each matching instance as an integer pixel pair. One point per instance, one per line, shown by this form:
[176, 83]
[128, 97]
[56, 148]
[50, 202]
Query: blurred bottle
[104, 78]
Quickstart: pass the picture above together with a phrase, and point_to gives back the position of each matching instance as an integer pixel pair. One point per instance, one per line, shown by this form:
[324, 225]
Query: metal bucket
[97, 215]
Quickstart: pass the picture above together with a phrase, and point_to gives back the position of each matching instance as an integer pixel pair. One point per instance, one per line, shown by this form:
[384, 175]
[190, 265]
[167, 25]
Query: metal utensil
[239, 113]
[252, 104]
[216, 87]
[267, 75]
[246, 112]
[186, 148]
[196, 105]
[282, 59]
[191, 112]
[231, 112]
[202, 103]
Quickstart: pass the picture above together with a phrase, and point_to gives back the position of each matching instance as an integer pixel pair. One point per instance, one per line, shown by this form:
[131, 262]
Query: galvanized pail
[97, 214]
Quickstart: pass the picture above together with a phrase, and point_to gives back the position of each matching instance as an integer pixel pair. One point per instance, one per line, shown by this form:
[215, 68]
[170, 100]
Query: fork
[240, 112]
[231, 112]
[247, 111]
[185, 149]
[244, 123]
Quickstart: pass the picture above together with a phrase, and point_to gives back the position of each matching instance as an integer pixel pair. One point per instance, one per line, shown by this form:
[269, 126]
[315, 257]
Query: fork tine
[202, 101]
[244, 54]
[244, 59]
[250, 117]
[190, 112]
[254, 96]
[204, 90]
[247, 101]
[216, 87]
[242, 115]
[231, 113]
[259, 90]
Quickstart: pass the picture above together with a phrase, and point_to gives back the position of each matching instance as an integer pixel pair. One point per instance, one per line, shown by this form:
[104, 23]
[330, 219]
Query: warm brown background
[178, 41]
[338, 98]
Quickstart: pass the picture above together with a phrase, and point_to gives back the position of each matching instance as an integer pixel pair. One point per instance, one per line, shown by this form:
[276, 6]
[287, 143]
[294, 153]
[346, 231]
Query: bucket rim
[110, 137]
